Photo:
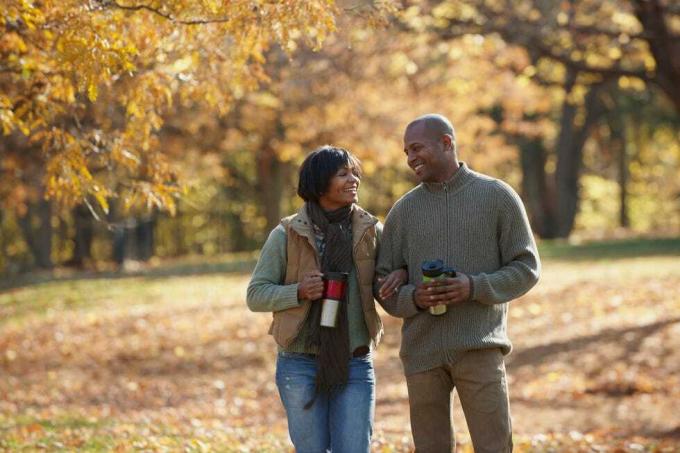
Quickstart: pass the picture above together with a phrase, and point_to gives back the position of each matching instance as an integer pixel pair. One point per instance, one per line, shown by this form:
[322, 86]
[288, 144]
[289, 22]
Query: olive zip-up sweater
[478, 225]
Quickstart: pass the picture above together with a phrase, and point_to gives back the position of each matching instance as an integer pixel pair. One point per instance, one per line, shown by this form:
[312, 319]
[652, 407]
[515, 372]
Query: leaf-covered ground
[178, 363]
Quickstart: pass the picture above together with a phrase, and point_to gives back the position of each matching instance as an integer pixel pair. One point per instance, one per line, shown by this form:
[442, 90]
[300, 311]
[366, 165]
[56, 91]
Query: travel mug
[434, 270]
[334, 287]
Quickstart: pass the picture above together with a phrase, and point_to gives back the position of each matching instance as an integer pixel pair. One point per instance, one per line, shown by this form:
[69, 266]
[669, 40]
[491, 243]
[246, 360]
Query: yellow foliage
[72, 69]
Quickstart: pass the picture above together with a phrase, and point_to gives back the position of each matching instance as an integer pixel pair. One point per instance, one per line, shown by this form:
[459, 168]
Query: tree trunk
[269, 186]
[270, 178]
[178, 232]
[84, 226]
[535, 188]
[619, 142]
[568, 165]
[3, 247]
[239, 240]
[143, 236]
[624, 219]
[663, 45]
[36, 227]
[571, 139]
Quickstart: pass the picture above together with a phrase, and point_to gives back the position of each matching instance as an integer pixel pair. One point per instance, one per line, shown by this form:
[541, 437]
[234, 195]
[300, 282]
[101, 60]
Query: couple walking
[325, 375]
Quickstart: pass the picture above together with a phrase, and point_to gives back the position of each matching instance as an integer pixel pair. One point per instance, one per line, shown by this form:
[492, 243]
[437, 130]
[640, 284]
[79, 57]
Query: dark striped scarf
[332, 343]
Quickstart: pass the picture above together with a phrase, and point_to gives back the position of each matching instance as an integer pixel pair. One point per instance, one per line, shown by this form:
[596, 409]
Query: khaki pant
[479, 378]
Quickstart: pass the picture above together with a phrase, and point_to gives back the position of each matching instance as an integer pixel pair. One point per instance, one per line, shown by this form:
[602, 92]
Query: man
[477, 225]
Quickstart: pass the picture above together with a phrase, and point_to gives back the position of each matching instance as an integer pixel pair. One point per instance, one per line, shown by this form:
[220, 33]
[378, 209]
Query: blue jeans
[341, 423]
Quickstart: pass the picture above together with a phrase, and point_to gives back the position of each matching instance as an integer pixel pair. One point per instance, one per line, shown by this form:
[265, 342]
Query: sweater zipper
[446, 224]
[446, 247]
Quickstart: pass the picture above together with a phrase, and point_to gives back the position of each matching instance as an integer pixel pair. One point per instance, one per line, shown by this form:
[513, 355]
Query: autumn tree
[358, 91]
[121, 106]
[60, 58]
[85, 86]
[575, 49]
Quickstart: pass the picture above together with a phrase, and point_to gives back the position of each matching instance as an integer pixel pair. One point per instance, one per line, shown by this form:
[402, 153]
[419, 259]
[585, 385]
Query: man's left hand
[456, 290]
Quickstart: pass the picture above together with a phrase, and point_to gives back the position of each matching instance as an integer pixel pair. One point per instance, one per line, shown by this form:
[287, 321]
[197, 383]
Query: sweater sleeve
[520, 264]
[266, 291]
[390, 258]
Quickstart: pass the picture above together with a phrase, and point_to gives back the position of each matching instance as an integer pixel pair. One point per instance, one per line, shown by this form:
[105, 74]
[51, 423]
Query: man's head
[430, 148]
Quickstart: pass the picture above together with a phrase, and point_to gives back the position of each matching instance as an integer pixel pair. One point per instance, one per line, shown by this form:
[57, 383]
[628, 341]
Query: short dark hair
[320, 166]
[436, 125]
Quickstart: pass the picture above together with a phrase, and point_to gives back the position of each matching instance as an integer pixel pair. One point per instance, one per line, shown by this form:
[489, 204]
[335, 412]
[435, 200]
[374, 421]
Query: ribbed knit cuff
[471, 295]
[475, 287]
[407, 302]
[480, 289]
[289, 297]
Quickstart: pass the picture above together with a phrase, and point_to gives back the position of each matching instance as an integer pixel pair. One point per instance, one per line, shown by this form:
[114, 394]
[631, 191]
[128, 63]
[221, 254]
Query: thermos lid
[432, 268]
[449, 271]
[336, 276]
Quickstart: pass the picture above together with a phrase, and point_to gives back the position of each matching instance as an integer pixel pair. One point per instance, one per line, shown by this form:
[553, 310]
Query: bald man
[477, 225]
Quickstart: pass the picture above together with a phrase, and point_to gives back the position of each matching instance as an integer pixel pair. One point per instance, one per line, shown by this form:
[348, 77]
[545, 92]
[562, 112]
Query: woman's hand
[311, 286]
[390, 283]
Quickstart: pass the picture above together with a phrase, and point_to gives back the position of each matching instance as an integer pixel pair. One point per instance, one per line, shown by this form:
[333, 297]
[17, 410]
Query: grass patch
[51, 296]
[239, 262]
[61, 433]
[63, 296]
[194, 278]
[68, 433]
[607, 250]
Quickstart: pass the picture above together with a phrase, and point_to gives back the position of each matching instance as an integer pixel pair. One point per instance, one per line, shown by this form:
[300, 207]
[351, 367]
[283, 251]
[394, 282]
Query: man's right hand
[427, 294]
[311, 286]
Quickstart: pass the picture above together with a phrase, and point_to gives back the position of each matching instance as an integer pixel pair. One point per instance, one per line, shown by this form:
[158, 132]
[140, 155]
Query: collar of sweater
[460, 178]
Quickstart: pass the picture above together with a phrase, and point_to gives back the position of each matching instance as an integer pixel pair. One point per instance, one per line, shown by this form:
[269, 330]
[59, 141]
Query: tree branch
[580, 66]
[168, 16]
[458, 28]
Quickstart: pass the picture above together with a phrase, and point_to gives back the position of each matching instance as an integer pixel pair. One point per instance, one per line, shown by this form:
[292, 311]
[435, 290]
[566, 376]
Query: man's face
[425, 154]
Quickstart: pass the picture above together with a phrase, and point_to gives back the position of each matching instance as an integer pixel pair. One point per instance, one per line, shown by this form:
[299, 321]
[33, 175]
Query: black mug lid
[432, 268]
[336, 276]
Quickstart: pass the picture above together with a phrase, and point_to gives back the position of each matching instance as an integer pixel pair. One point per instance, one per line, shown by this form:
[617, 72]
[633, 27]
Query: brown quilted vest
[302, 258]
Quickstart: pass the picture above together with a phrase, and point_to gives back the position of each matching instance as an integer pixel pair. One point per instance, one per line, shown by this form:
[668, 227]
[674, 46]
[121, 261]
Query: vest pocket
[287, 324]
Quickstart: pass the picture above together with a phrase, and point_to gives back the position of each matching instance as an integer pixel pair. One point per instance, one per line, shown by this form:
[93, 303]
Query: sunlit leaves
[68, 178]
[178, 363]
[93, 51]
[117, 66]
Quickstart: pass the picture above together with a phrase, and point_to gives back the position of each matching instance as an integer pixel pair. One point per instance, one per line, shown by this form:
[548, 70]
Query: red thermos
[334, 287]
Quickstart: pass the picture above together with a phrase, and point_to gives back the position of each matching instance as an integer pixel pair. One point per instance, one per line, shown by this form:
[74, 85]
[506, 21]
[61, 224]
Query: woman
[324, 374]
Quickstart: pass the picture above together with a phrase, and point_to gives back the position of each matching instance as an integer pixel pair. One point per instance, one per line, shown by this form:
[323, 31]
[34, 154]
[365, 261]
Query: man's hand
[311, 286]
[390, 283]
[446, 291]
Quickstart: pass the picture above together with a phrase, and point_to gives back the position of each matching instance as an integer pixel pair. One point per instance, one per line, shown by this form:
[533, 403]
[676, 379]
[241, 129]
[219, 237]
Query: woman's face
[342, 190]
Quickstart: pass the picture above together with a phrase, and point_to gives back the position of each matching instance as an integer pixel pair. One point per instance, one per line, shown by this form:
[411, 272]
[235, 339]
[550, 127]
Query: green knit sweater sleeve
[391, 257]
[266, 291]
[519, 257]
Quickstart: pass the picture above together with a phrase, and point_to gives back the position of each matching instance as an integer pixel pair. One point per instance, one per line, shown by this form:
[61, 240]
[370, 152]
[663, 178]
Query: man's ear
[447, 140]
